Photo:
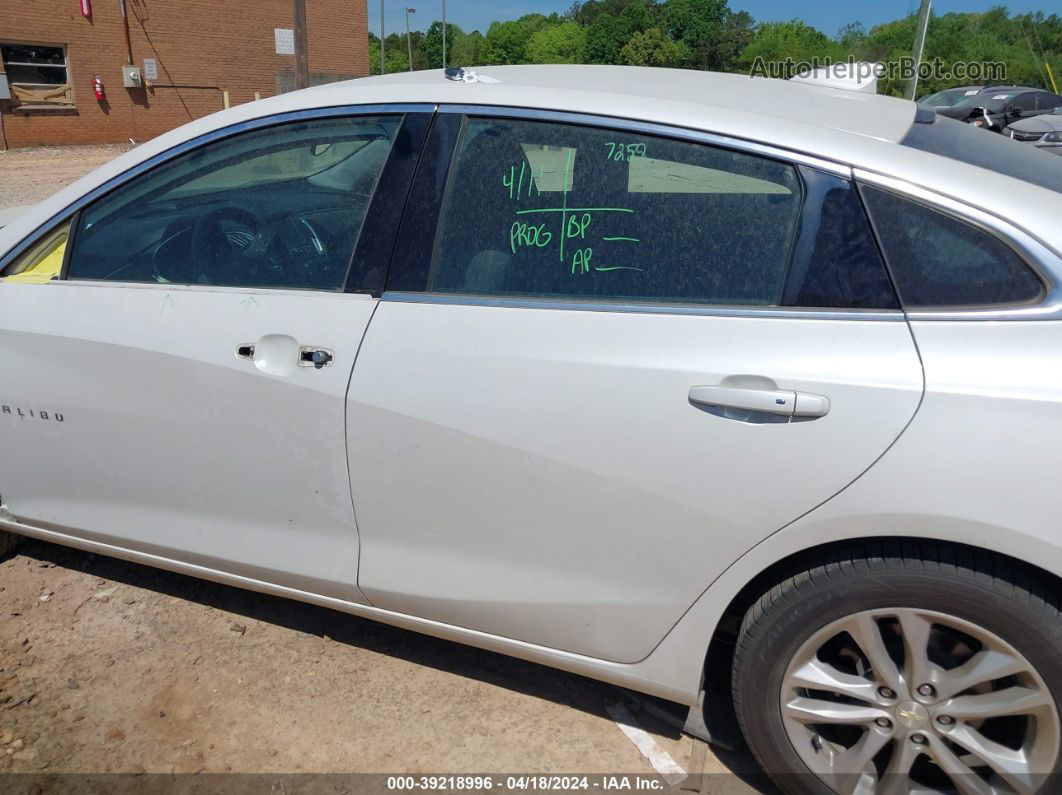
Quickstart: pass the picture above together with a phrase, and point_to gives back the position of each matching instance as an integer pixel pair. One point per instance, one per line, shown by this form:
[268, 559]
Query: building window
[37, 74]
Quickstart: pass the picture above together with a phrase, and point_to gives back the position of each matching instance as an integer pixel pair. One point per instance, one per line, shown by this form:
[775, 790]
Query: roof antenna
[461, 75]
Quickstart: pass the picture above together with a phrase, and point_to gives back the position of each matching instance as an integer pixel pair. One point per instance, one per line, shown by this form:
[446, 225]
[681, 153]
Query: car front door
[622, 361]
[180, 390]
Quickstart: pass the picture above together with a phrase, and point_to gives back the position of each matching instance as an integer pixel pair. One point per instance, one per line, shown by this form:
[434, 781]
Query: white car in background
[1043, 131]
[743, 393]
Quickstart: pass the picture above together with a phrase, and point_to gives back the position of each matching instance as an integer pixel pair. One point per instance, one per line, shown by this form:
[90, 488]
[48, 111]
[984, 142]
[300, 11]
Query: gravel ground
[111, 667]
[29, 175]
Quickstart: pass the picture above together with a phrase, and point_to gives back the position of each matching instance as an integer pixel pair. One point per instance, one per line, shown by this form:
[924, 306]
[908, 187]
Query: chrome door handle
[784, 402]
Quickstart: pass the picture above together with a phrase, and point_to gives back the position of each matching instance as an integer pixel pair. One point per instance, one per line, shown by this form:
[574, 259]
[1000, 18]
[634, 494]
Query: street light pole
[919, 45]
[409, 39]
[444, 32]
[383, 60]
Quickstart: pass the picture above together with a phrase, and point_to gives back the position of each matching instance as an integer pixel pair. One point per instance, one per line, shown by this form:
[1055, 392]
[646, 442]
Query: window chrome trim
[1044, 262]
[201, 140]
[652, 128]
[575, 304]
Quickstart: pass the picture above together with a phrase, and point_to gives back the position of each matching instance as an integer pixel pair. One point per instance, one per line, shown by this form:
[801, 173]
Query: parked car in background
[744, 393]
[1043, 131]
[995, 107]
[949, 96]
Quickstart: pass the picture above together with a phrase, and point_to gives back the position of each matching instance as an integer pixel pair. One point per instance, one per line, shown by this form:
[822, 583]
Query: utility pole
[302, 58]
[409, 39]
[919, 45]
[128, 43]
[444, 32]
[383, 61]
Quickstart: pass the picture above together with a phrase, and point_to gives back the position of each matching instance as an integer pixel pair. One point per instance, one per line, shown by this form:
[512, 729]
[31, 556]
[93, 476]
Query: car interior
[285, 214]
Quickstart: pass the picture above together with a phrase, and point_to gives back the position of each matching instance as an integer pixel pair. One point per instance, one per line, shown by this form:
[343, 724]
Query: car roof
[1013, 89]
[572, 88]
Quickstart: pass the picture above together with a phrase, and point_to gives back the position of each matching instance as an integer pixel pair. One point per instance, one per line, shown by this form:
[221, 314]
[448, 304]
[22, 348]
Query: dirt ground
[111, 667]
[29, 175]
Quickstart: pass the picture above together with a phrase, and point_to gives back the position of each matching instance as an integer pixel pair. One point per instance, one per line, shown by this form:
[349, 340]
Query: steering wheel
[216, 256]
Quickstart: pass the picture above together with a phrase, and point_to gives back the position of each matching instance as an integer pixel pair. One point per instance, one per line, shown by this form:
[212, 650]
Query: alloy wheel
[902, 700]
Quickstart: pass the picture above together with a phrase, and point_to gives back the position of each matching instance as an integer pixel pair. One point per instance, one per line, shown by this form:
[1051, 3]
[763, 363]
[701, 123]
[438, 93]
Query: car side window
[558, 210]
[939, 261]
[1047, 101]
[1025, 102]
[43, 261]
[279, 207]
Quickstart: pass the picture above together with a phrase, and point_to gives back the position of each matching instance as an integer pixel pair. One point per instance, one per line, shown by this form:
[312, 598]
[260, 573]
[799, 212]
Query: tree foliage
[776, 41]
[708, 34]
[653, 47]
[563, 43]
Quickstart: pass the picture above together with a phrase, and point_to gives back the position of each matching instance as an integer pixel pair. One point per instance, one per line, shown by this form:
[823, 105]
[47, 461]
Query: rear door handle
[769, 401]
[784, 402]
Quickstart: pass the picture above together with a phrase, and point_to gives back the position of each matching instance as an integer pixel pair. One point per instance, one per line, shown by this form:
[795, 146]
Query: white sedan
[738, 392]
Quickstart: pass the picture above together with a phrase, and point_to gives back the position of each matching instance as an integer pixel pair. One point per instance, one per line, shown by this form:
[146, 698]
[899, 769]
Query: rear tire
[954, 637]
[8, 541]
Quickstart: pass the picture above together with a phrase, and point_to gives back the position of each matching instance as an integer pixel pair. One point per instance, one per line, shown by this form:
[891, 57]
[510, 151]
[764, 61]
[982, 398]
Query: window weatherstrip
[651, 128]
[201, 140]
[649, 308]
[1045, 263]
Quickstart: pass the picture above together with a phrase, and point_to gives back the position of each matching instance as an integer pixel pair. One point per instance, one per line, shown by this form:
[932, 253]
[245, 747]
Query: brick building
[189, 53]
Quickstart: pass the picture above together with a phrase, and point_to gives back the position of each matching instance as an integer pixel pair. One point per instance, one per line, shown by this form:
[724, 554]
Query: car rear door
[180, 391]
[574, 407]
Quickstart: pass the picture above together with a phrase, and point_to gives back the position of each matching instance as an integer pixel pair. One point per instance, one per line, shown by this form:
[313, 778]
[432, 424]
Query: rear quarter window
[939, 261]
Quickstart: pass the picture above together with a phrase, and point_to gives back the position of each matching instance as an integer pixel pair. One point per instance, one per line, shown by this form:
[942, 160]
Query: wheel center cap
[912, 715]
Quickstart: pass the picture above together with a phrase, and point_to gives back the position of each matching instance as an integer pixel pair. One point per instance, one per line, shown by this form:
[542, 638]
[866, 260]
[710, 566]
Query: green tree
[714, 34]
[778, 41]
[374, 54]
[563, 43]
[708, 34]
[653, 48]
[737, 34]
[467, 50]
[852, 38]
[611, 25]
[431, 46]
[506, 42]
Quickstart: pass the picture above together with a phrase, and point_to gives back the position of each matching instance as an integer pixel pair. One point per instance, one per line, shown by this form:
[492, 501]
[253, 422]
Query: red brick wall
[223, 43]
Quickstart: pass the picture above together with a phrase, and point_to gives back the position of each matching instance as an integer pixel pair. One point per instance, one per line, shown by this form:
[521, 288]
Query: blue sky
[826, 15]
